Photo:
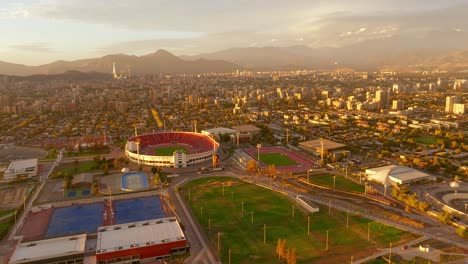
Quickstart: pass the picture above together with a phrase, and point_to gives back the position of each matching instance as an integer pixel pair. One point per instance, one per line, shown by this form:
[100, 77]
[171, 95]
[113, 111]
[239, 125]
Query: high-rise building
[398, 105]
[114, 71]
[381, 98]
[459, 109]
[449, 102]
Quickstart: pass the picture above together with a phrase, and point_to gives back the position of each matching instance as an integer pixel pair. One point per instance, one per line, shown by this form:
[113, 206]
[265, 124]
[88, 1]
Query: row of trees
[402, 194]
[288, 255]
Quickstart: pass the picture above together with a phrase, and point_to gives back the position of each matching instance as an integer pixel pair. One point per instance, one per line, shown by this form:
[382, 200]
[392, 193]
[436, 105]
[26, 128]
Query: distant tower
[114, 71]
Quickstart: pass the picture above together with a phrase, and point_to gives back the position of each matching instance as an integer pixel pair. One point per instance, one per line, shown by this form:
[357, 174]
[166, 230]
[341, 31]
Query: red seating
[200, 143]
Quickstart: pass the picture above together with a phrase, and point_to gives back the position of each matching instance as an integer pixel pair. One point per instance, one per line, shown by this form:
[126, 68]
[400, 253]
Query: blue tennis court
[134, 181]
[75, 219]
[138, 209]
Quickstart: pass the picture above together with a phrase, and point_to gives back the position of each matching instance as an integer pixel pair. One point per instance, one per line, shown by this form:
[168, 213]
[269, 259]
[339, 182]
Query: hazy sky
[41, 31]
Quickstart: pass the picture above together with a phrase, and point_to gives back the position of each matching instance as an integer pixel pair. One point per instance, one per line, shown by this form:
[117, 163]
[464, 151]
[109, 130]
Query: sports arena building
[140, 242]
[199, 148]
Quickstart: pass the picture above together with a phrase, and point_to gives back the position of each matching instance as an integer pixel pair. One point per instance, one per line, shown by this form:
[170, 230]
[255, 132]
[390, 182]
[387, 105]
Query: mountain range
[159, 62]
[369, 56]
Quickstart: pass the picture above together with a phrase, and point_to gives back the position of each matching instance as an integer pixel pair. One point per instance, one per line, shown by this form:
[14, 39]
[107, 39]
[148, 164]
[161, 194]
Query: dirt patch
[12, 152]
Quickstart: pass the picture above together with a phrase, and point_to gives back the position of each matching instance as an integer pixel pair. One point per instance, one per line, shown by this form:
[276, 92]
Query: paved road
[201, 249]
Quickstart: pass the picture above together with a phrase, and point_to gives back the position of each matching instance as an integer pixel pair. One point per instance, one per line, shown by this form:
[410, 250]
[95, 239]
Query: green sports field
[341, 183]
[276, 159]
[169, 151]
[223, 215]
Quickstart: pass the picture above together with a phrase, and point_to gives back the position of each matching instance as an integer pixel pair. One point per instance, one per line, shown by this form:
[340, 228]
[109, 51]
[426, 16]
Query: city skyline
[38, 32]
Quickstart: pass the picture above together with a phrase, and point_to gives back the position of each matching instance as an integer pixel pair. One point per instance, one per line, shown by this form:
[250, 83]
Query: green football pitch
[239, 214]
[276, 159]
[169, 151]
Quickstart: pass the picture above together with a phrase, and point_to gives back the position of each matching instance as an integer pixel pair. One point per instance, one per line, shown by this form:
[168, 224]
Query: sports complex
[103, 228]
[283, 159]
[171, 149]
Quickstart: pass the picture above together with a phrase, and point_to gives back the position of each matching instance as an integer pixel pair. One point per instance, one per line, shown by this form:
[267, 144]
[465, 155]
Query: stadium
[171, 149]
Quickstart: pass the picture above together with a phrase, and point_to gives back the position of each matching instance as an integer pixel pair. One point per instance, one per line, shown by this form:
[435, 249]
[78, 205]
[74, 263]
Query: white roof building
[215, 132]
[394, 174]
[27, 167]
[138, 234]
[53, 250]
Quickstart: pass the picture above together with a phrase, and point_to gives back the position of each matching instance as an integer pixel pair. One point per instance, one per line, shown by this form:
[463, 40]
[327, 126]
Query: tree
[282, 249]
[251, 166]
[156, 180]
[463, 232]
[278, 248]
[292, 256]
[75, 163]
[445, 217]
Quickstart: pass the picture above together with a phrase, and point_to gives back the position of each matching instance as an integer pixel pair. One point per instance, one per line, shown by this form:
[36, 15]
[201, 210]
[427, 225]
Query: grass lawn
[5, 226]
[87, 153]
[341, 182]
[71, 169]
[245, 239]
[426, 140]
[169, 151]
[276, 159]
[7, 212]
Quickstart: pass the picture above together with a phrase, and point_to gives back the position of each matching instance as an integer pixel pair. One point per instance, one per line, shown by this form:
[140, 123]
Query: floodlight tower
[321, 152]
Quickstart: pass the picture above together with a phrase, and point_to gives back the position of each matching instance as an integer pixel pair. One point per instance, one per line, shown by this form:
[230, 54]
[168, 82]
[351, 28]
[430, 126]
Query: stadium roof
[327, 144]
[22, 166]
[48, 248]
[397, 174]
[138, 234]
[220, 130]
[247, 128]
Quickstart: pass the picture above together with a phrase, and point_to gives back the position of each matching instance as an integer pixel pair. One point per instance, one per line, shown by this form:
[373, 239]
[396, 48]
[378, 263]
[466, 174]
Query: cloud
[33, 47]
[13, 11]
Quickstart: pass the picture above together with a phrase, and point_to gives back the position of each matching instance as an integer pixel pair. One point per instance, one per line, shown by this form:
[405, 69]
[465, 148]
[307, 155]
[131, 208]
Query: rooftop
[220, 130]
[246, 128]
[317, 144]
[138, 234]
[48, 248]
[402, 173]
[20, 166]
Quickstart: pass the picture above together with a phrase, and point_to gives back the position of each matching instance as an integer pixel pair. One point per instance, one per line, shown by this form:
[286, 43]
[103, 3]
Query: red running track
[304, 163]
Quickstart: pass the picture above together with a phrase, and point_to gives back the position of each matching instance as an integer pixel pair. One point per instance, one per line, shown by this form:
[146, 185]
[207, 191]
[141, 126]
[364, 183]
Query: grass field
[169, 151]
[276, 159]
[341, 183]
[426, 140]
[5, 226]
[69, 168]
[245, 239]
[6, 212]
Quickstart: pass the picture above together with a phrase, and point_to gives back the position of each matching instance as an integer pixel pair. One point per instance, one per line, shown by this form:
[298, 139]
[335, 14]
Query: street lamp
[258, 152]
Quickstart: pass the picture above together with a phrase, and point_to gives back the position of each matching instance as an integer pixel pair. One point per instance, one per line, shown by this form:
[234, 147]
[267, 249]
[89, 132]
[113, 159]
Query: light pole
[219, 234]
[326, 246]
[258, 152]
[368, 231]
[390, 255]
[138, 151]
